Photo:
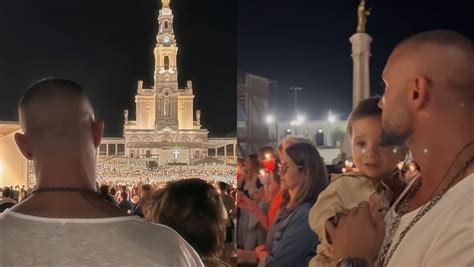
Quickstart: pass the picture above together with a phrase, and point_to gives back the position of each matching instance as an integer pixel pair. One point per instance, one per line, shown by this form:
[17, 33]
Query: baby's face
[369, 156]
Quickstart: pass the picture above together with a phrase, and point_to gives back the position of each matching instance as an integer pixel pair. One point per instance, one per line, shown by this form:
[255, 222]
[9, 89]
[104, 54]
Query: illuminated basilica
[166, 127]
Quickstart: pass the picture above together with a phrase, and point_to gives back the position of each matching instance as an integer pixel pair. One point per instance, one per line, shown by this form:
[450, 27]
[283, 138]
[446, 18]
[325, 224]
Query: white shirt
[444, 236]
[118, 241]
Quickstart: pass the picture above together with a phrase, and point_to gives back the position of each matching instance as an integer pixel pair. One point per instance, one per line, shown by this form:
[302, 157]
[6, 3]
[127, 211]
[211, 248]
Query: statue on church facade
[166, 107]
[362, 14]
[125, 114]
[198, 116]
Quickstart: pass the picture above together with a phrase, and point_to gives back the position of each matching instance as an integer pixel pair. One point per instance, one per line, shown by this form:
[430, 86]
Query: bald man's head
[58, 123]
[428, 73]
[445, 58]
[54, 107]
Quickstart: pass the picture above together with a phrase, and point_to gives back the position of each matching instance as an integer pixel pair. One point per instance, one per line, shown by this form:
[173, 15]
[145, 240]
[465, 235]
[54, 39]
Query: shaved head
[54, 107]
[428, 73]
[445, 58]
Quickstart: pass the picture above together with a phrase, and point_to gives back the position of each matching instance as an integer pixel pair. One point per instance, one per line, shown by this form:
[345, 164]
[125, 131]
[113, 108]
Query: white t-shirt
[118, 241]
[444, 236]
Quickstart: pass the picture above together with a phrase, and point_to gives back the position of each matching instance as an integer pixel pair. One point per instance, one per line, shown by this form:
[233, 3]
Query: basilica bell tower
[166, 70]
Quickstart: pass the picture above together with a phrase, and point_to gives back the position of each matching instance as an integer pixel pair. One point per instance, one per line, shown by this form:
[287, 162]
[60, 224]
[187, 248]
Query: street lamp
[332, 118]
[300, 118]
[269, 119]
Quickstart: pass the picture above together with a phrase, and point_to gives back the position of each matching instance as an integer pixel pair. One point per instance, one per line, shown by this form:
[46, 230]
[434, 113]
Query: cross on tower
[176, 153]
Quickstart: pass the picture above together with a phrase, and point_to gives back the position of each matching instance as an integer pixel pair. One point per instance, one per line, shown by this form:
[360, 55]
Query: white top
[444, 236]
[117, 241]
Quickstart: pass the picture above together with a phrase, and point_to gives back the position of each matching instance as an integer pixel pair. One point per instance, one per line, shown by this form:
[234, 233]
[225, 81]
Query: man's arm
[357, 235]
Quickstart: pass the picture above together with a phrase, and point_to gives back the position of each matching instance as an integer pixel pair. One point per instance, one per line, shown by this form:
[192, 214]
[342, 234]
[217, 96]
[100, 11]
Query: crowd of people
[210, 202]
[132, 169]
[403, 197]
[85, 220]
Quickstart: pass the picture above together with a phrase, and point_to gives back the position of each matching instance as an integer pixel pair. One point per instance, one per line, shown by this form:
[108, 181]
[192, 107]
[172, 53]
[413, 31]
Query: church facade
[166, 127]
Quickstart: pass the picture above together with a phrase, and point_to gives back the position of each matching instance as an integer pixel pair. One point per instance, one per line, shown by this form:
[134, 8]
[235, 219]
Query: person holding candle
[290, 241]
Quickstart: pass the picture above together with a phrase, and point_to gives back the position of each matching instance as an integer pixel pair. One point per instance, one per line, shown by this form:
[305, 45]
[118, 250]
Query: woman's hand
[261, 252]
[246, 203]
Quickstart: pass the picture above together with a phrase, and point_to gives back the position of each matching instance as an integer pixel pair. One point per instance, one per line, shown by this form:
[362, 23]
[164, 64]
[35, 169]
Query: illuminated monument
[165, 128]
[165, 125]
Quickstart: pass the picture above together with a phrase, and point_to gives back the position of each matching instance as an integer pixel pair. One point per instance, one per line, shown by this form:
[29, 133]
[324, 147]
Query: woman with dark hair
[290, 240]
[195, 210]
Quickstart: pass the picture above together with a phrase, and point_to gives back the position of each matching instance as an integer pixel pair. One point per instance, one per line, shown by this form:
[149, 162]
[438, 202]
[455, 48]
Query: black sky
[107, 45]
[305, 43]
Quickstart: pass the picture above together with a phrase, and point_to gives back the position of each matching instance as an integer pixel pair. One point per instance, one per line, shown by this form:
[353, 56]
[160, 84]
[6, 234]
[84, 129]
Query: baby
[374, 164]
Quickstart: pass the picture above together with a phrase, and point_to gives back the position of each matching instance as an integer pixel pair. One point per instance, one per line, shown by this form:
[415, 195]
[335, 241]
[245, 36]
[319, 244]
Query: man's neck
[66, 176]
[68, 205]
[440, 158]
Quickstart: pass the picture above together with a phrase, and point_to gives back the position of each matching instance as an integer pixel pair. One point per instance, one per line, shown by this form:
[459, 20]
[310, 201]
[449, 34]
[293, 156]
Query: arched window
[167, 63]
[166, 25]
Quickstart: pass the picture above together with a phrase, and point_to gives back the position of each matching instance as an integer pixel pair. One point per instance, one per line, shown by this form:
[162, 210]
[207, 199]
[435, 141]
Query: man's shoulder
[147, 241]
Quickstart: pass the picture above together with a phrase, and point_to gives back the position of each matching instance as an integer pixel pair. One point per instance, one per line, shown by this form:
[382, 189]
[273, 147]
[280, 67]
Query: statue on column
[189, 84]
[362, 14]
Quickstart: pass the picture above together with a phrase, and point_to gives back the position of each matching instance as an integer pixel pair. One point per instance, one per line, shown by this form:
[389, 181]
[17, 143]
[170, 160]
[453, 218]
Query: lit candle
[268, 162]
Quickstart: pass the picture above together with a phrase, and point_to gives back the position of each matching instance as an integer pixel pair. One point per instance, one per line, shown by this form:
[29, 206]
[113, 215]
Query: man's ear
[97, 131]
[22, 143]
[419, 93]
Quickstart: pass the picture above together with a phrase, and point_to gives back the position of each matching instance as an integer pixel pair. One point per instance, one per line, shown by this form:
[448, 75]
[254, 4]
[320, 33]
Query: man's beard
[395, 138]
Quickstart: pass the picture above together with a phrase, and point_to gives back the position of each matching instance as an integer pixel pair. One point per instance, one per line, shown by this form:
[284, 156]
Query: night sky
[107, 45]
[306, 44]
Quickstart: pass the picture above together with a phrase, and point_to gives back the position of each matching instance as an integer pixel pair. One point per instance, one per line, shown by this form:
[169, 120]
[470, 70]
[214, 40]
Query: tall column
[116, 150]
[235, 151]
[225, 151]
[360, 58]
[107, 149]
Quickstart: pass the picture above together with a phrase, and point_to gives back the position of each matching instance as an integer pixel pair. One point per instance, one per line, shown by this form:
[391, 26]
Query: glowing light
[320, 131]
[395, 150]
[400, 165]
[268, 156]
[349, 164]
[331, 117]
[269, 119]
[412, 166]
[300, 119]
